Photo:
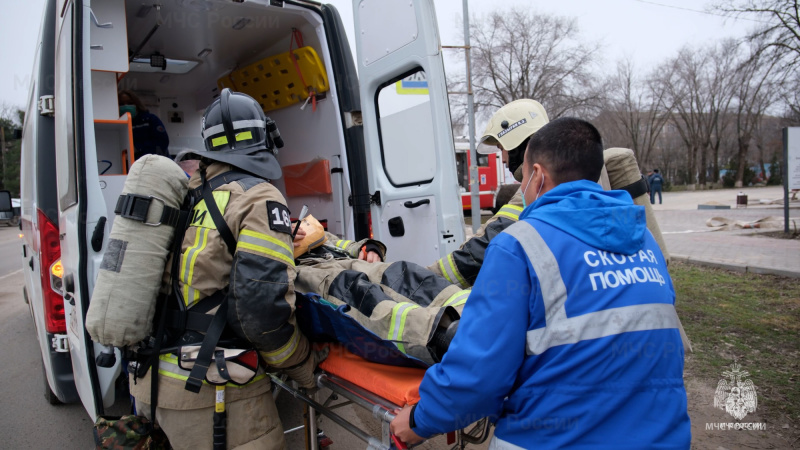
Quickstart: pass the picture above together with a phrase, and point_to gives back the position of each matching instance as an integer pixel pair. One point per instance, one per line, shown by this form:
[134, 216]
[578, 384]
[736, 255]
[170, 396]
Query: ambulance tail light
[50, 260]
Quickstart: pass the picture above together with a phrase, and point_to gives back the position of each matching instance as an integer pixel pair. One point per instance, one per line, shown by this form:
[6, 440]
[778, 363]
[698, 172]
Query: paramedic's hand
[400, 426]
[301, 234]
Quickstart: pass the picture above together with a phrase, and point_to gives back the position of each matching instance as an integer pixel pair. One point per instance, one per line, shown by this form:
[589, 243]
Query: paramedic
[149, 134]
[584, 349]
[508, 130]
[244, 257]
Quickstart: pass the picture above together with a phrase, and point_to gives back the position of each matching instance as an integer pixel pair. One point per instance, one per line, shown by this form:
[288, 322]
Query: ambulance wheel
[49, 395]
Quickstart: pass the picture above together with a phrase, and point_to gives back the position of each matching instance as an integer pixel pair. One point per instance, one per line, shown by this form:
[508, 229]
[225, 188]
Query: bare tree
[523, 54]
[638, 109]
[698, 84]
[780, 19]
[758, 88]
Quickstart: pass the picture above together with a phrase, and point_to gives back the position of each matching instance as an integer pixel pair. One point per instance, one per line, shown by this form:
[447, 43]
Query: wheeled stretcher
[364, 370]
[378, 388]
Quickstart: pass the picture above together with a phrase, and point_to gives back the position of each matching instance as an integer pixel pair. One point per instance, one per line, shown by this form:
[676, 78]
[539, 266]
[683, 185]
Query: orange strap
[297, 36]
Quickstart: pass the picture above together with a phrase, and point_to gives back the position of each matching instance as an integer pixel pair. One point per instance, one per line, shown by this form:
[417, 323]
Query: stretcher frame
[381, 409]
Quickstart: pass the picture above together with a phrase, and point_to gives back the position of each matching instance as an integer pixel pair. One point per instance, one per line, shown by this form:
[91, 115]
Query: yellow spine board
[274, 81]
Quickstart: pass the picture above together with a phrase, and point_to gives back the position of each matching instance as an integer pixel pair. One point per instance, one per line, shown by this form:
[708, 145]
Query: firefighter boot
[441, 339]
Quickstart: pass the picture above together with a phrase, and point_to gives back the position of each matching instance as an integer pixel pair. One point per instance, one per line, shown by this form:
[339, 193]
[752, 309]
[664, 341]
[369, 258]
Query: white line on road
[18, 271]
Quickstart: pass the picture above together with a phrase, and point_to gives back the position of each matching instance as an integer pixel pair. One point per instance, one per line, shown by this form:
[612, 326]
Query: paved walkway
[746, 250]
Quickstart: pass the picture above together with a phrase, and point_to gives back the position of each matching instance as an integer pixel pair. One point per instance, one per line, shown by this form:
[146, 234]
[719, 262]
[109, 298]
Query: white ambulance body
[383, 163]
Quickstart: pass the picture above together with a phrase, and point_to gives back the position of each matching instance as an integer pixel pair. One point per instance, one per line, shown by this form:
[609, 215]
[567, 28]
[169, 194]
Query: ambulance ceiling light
[176, 66]
[158, 60]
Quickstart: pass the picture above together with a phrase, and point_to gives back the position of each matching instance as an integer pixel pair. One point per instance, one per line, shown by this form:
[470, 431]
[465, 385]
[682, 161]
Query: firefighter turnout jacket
[259, 278]
[570, 333]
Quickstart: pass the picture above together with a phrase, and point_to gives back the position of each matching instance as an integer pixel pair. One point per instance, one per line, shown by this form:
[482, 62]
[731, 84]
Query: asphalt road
[27, 421]
[10, 250]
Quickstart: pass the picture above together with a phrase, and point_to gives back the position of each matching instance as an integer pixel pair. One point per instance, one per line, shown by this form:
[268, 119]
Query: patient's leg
[401, 302]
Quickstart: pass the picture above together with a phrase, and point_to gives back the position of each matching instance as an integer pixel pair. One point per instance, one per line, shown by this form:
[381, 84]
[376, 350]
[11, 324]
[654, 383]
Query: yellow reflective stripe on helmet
[169, 368]
[398, 323]
[200, 216]
[217, 141]
[265, 244]
[510, 211]
[459, 298]
[222, 140]
[190, 295]
[282, 354]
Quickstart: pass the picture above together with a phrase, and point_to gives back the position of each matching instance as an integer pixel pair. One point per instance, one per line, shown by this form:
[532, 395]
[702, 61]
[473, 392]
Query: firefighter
[561, 361]
[246, 259]
[509, 130]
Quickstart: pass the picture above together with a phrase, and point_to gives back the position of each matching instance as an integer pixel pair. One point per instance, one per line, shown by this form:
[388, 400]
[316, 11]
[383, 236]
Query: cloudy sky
[643, 30]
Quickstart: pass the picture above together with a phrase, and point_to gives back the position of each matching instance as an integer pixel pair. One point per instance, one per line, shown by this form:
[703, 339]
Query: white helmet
[512, 124]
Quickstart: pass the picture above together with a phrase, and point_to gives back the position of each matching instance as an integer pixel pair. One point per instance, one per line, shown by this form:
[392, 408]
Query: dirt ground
[702, 412]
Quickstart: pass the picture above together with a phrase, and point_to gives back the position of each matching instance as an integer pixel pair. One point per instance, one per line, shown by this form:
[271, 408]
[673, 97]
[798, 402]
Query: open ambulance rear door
[416, 208]
[80, 200]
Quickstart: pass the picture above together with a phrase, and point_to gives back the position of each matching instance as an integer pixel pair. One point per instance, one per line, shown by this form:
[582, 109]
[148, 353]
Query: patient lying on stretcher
[401, 302]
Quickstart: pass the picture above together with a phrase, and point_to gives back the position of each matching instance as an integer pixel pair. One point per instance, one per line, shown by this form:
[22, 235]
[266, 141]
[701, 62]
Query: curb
[735, 267]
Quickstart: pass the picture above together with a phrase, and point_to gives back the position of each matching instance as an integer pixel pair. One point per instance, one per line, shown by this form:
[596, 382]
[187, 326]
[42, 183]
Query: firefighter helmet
[236, 132]
[512, 124]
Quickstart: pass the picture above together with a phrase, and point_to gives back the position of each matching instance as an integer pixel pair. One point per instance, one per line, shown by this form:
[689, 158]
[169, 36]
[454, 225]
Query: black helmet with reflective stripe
[235, 121]
[235, 132]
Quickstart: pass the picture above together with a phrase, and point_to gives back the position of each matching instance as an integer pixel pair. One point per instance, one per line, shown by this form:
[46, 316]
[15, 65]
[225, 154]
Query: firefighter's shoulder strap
[217, 325]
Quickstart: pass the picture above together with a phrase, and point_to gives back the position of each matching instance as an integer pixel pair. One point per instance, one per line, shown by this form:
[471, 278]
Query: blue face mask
[129, 109]
[524, 203]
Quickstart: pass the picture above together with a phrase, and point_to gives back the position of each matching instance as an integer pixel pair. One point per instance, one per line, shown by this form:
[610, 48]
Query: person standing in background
[656, 181]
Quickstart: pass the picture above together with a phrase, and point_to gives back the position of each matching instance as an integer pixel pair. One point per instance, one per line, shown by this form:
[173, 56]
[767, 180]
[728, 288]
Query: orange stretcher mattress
[399, 385]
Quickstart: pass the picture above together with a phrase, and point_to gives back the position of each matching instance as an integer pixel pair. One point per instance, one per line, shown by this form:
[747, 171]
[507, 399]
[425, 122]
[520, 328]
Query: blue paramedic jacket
[569, 338]
[149, 135]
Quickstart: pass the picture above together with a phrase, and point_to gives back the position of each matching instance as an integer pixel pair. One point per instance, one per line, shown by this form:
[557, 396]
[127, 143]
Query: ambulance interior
[176, 55]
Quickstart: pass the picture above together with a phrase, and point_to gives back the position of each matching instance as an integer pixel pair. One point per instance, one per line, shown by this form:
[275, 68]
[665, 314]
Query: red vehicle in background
[491, 175]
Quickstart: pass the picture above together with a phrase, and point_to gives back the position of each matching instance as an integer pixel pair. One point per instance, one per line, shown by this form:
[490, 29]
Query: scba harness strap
[137, 207]
[176, 324]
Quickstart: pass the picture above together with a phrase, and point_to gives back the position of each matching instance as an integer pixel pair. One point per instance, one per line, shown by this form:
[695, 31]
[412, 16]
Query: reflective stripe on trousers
[562, 330]
[399, 313]
[448, 267]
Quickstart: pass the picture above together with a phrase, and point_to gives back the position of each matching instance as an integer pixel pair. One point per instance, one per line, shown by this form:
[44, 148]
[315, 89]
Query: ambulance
[367, 160]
